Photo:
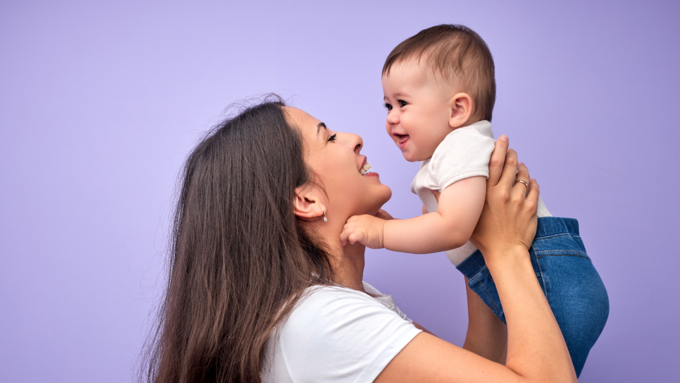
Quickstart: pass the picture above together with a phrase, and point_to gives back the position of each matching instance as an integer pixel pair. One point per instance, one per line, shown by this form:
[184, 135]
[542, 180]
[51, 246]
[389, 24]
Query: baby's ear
[461, 110]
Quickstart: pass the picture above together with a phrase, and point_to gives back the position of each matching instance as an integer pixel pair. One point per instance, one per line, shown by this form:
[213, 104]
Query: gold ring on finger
[524, 183]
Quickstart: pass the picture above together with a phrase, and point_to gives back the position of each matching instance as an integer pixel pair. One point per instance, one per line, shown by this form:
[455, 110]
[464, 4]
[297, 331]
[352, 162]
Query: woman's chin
[388, 195]
[369, 201]
[383, 198]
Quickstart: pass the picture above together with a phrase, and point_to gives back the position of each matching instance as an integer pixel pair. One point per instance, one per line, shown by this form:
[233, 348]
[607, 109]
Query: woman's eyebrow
[319, 126]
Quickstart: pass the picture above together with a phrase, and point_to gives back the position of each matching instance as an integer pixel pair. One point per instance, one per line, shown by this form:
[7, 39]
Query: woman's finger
[522, 179]
[509, 170]
[382, 214]
[534, 191]
[523, 172]
[497, 160]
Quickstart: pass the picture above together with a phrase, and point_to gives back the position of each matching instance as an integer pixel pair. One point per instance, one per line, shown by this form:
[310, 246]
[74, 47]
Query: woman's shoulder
[340, 303]
[336, 331]
[339, 321]
[332, 303]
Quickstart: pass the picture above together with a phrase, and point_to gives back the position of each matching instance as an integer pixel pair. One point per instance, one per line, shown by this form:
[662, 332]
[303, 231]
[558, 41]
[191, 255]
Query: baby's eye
[388, 107]
[332, 138]
[402, 103]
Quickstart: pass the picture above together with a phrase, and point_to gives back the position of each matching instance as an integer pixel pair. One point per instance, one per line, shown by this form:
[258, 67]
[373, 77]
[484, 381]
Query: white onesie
[463, 153]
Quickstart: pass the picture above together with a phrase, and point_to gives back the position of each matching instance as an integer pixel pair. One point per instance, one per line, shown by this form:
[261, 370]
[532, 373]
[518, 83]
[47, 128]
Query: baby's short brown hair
[457, 54]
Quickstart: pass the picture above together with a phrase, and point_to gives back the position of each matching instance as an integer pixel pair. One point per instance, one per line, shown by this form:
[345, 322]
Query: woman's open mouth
[365, 169]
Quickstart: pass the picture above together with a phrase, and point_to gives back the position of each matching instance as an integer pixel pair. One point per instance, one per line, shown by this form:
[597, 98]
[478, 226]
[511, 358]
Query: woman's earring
[325, 219]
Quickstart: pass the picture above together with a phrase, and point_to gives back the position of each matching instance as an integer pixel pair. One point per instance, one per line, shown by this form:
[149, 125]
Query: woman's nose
[355, 141]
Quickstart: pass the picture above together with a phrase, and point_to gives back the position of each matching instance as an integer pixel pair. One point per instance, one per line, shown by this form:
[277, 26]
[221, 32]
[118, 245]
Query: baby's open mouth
[364, 169]
[402, 138]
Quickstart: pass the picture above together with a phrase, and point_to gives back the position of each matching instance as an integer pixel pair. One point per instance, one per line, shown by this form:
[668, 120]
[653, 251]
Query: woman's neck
[347, 261]
[348, 265]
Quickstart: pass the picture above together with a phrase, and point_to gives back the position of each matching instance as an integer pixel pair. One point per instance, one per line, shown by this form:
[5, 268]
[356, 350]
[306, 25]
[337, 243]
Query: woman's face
[335, 158]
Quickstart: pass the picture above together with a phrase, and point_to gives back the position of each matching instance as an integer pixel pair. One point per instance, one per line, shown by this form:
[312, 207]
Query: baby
[440, 90]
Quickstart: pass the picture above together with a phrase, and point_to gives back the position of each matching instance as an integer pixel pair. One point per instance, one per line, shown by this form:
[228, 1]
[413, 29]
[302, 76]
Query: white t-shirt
[337, 334]
[463, 153]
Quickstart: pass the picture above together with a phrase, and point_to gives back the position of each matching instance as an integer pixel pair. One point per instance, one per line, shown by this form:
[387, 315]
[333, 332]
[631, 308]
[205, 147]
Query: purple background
[100, 104]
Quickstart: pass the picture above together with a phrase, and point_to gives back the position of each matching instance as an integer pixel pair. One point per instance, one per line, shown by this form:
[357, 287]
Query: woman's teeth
[365, 168]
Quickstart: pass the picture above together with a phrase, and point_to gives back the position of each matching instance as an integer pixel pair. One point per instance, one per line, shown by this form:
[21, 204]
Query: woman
[261, 289]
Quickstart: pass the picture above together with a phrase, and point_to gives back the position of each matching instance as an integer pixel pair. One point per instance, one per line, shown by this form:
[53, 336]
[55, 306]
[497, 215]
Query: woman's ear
[306, 204]
[461, 109]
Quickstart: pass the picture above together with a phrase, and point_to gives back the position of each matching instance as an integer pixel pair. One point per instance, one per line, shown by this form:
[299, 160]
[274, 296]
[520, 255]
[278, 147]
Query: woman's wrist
[506, 258]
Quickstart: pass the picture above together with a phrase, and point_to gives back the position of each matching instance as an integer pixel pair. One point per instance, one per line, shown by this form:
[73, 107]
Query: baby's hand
[365, 229]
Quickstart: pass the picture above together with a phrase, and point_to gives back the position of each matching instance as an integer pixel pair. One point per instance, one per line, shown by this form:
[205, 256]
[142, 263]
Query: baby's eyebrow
[398, 94]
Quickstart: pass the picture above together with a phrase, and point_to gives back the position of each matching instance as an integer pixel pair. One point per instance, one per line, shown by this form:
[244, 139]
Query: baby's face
[418, 109]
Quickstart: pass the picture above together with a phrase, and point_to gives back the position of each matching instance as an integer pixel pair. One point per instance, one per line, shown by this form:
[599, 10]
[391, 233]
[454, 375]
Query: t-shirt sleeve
[339, 336]
[463, 154]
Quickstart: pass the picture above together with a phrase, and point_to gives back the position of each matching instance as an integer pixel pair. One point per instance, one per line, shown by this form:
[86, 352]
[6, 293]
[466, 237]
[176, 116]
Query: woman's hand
[508, 220]
[382, 214]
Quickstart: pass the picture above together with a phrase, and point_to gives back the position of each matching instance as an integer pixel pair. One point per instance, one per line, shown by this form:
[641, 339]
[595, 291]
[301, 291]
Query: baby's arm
[460, 206]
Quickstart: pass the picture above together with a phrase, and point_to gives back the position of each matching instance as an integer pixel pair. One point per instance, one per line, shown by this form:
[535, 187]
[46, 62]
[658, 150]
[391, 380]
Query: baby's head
[434, 82]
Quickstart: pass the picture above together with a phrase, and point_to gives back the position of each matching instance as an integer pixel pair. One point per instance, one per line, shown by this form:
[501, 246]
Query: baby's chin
[410, 157]
[415, 156]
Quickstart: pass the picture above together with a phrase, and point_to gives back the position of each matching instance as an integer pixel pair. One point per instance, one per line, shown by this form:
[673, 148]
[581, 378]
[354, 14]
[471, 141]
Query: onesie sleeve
[464, 153]
[338, 335]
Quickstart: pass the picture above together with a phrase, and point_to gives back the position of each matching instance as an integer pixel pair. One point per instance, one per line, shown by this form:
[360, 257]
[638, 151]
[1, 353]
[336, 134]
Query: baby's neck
[466, 124]
[470, 122]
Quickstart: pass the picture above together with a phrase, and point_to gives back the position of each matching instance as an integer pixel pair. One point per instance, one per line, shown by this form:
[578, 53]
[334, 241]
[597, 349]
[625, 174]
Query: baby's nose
[392, 118]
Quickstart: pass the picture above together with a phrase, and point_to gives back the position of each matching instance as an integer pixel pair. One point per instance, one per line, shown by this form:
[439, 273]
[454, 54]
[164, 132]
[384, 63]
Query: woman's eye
[332, 138]
[388, 106]
[402, 103]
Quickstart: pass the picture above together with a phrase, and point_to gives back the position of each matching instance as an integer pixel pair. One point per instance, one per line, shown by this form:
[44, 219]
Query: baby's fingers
[357, 236]
[344, 236]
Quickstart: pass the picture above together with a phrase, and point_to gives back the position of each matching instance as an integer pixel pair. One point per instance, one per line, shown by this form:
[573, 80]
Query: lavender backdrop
[100, 104]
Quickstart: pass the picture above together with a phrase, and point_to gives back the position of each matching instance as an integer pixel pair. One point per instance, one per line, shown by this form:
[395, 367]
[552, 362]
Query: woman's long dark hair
[239, 258]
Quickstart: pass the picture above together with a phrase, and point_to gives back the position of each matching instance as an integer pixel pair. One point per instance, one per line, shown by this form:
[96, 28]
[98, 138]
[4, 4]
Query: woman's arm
[536, 350]
[487, 336]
